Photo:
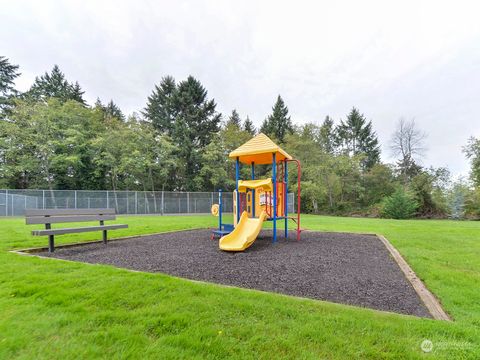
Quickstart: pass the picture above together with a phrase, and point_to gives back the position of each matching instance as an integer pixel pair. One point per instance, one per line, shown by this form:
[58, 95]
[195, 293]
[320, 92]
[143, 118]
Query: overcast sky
[416, 59]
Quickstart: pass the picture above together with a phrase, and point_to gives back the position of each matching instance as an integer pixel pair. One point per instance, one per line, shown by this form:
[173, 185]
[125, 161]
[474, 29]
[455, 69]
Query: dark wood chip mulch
[343, 268]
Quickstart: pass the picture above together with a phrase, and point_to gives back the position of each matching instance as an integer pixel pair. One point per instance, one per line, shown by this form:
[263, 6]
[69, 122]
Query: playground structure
[258, 200]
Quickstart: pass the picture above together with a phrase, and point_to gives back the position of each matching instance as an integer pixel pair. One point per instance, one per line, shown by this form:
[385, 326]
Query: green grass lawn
[57, 309]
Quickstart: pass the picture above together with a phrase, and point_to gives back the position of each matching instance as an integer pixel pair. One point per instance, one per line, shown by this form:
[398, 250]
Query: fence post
[211, 200]
[6, 202]
[43, 199]
[108, 203]
[88, 202]
[162, 208]
[188, 203]
[136, 202]
[75, 201]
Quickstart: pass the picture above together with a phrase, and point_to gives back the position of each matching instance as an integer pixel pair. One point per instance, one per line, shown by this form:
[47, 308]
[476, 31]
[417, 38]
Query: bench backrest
[52, 216]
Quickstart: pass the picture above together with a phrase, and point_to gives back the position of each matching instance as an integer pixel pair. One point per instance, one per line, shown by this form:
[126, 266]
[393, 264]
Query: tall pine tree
[356, 137]
[112, 110]
[278, 124]
[76, 93]
[327, 135]
[8, 74]
[249, 127]
[109, 111]
[196, 122]
[160, 109]
[55, 85]
[184, 112]
[234, 120]
[195, 112]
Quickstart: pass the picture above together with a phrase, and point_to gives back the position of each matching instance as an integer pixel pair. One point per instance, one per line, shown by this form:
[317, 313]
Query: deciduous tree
[472, 151]
[408, 145]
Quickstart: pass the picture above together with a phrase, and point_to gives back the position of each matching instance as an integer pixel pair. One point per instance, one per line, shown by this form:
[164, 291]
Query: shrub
[400, 205]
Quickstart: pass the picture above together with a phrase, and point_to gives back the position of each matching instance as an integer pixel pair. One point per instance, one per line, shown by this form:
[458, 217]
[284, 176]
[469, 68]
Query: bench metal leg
[105, 237]
[51, 244]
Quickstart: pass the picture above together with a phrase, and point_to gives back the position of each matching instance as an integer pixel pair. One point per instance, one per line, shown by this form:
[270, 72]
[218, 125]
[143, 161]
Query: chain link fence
[14, 202]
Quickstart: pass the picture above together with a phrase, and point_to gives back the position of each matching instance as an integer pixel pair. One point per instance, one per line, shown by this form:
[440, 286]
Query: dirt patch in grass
[344, 268]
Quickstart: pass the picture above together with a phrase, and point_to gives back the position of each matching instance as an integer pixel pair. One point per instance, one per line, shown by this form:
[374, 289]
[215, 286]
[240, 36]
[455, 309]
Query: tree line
[51, 138]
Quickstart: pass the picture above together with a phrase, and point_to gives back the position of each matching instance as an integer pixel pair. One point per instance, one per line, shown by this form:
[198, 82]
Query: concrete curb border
[427, 297]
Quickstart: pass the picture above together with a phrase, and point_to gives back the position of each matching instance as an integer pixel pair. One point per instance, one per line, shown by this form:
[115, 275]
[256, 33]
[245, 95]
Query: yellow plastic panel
[259, 150]
[266, 184]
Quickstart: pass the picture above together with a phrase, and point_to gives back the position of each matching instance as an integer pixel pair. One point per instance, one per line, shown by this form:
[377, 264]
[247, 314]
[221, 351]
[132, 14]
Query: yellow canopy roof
[259, 150]
[266, 184]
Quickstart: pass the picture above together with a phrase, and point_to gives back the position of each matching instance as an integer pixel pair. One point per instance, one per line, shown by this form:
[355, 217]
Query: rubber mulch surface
[343, 268]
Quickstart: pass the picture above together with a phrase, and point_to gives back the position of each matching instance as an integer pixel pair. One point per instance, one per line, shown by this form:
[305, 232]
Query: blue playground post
[285, 178]
[237, 175]
[274, 175]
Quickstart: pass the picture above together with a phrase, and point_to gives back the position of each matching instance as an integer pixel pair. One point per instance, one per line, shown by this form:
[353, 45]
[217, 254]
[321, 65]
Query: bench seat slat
[60, 212]
[66, 219]
[78, 230]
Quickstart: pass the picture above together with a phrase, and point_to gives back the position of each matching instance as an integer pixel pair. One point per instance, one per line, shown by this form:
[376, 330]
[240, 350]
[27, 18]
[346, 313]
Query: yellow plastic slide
[244, 233]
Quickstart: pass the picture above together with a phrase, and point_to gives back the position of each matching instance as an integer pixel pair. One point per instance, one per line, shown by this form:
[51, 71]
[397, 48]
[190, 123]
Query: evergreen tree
[109, 111]
[457, 204]
[112, 110]
[400, 205]
[196, 122]
[76, 93]
[407, 169]
[196, 116]
[183, 112]
[249, 127]
[8, 74]
[278, 124]
[160, 110]
[99, 105]
[356, 137]
[327, 135]
[234, 120]
[55, 85]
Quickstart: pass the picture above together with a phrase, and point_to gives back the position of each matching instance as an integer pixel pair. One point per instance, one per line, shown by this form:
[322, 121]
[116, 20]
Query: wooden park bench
[57, 216]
